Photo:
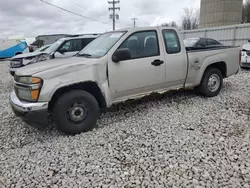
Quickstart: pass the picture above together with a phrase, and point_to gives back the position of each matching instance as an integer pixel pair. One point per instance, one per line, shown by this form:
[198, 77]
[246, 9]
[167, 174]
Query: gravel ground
[172, 140]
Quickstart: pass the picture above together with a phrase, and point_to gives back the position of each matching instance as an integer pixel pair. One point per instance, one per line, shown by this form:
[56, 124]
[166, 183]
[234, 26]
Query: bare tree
[165, 24]
[246, 12]
[190, 19]
[171, 24]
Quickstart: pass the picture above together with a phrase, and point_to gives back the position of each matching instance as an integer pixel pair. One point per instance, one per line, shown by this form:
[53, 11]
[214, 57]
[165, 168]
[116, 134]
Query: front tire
[211, 83]
[76, 112]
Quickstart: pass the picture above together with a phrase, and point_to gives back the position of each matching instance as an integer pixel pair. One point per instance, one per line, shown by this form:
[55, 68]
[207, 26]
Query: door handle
[157, 62]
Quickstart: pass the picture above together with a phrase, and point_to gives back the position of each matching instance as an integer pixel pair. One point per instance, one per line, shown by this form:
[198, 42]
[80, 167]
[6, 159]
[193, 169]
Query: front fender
[52, 81]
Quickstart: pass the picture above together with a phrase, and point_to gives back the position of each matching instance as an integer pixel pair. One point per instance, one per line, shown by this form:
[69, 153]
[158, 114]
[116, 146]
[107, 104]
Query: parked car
[11, 47]
[245, 55]
[65, 47]
[117, 66]
[43, 48]
[201, 43]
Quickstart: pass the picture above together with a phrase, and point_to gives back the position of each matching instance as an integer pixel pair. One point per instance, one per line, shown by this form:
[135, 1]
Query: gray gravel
[173, 140]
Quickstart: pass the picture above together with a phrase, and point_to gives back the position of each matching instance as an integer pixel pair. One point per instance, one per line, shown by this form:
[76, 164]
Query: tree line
[191, 18]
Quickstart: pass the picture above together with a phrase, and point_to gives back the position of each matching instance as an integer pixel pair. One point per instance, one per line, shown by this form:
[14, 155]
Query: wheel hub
[213, 82]
[77, 112]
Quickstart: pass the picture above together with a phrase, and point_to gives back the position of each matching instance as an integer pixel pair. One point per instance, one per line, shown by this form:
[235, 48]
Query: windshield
[42, 48]
[54, 46]
[190, 42]
[101, 45]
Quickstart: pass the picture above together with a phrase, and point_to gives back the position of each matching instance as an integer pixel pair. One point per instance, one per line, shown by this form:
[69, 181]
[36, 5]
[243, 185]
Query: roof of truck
[144, 28]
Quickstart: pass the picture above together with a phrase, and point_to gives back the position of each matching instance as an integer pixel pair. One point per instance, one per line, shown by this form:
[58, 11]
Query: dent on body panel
[74, 74]
[100, 74]
[68, 76]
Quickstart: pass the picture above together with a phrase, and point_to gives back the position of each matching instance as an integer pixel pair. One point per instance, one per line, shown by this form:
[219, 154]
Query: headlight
[28, 88]
[29, 80]
[42, 57]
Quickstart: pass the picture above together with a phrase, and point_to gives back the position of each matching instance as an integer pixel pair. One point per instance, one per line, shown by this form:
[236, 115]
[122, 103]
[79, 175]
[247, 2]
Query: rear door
[69, 48]
[175, 58]
[144, 72]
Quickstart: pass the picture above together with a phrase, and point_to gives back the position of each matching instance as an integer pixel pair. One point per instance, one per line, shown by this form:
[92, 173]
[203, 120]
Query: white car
[245, 55]
[65, 47]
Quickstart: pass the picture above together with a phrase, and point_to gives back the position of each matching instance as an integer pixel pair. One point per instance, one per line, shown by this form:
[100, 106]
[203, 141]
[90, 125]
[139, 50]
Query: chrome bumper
[22, 106]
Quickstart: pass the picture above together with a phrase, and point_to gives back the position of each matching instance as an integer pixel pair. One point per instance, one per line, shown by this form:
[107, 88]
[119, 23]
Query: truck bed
[199, 58]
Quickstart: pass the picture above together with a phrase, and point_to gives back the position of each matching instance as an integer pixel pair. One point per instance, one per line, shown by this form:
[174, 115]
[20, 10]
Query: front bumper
[34, 114]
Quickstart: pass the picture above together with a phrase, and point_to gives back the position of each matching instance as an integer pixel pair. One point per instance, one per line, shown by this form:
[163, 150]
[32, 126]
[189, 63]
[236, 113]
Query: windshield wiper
[84, 55]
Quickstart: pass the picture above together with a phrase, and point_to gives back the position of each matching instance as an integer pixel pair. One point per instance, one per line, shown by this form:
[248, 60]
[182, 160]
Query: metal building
[227, 35]
[215, 13]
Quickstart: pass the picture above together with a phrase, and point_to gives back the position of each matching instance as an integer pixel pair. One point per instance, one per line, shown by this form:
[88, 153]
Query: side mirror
[62, 51]
[121, 55]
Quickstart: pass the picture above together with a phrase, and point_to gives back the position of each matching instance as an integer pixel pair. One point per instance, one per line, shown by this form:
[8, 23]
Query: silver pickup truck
[117, 66]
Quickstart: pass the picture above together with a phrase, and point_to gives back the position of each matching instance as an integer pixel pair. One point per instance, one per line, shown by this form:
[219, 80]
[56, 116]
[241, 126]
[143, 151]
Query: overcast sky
[30, 18]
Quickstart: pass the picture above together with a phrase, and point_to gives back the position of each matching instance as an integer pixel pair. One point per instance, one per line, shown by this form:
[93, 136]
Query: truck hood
[51, 64]
[26, 55]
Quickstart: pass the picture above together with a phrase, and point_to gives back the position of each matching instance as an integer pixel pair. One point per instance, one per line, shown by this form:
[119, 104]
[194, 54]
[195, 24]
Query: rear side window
[172, 42]
[72, 45]
[86, 41]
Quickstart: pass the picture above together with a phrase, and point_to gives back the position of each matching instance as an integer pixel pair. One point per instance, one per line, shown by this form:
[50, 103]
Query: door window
[86, 41]
[172, 42]
[71, 46]
[142, 44]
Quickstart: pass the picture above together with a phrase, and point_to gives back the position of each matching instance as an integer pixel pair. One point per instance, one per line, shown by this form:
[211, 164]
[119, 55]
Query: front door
[144, 72]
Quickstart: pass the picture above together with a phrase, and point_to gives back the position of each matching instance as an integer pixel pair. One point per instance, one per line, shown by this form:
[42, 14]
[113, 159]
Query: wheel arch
[89, 86]
[220, 65]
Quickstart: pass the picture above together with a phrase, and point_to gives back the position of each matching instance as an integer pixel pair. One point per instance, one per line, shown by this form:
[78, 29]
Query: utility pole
[134, 19]
[114, 16]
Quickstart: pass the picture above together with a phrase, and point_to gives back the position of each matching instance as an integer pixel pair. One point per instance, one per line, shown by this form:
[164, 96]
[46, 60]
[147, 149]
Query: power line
[74, 12]
[134, 19]
[114, 16]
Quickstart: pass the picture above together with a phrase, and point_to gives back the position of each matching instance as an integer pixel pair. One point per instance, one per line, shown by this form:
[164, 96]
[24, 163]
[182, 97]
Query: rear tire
[211, 83]
[76, 112]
